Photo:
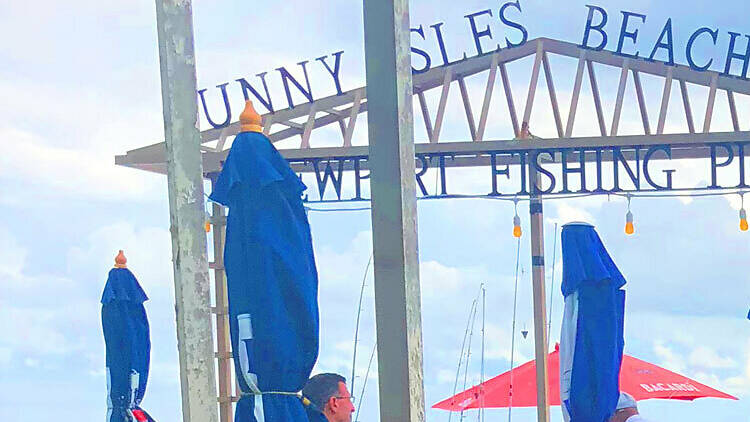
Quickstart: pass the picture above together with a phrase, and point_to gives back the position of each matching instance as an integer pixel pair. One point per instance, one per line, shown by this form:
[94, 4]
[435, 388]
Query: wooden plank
[641, 102]
[686, 105]
[487, 98]
[597, 98]
[532, 86]
[353, 113]
[441, 106]
[467, 108]
[576, 94]
[425, 113]
[710, 106]
[221, 312]
[509, 98]
[733, 111]
[620, 98]
[665, 96]
[552, 94]
[305, 142]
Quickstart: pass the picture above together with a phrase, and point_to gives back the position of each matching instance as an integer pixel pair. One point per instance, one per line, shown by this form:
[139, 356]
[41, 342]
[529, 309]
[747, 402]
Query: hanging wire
[513, 330]
[552, 288]
[359, 313]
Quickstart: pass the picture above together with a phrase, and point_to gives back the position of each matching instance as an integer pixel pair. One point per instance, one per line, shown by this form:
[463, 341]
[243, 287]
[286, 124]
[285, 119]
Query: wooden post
[394, 210]
[187, 216]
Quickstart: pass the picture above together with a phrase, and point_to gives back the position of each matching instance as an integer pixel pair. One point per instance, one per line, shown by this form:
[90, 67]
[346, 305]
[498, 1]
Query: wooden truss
[343, 110]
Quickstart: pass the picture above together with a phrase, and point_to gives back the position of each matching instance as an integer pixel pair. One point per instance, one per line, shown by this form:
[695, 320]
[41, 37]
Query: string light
[207, 222]
[629, 228]
[629, 219]
[516, 222]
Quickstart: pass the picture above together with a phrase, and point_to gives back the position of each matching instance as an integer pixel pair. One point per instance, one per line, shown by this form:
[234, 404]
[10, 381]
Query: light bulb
[516, 226]
[629, 228]
[743, 220]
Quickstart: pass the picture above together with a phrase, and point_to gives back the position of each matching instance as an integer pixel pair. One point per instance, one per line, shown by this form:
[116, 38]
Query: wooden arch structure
[344, 111]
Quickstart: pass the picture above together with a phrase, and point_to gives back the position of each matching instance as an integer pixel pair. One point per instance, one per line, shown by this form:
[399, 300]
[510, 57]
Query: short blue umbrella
[591, 341]
[128, 346]
[272, 281]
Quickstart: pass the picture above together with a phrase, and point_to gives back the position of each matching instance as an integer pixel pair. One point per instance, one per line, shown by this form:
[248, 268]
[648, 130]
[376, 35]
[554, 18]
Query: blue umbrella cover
[272, 281]
[128, 346]
[592, 340]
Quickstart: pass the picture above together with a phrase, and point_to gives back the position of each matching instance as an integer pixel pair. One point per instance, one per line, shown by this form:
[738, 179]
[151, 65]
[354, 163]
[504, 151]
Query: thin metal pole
[481, 371]
[364, 383]
[513, 330]
[552, 286]
[540, 308]
[468, 355]
[356, 325]
[394, 210]
[187, 216]
[461, 356]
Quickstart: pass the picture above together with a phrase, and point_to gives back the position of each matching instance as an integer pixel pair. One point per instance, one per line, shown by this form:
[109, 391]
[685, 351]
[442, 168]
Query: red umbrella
[641, 379]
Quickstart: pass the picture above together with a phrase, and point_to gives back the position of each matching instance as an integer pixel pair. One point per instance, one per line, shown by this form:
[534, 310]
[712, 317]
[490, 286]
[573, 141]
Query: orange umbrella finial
[120, 260]
[250, 120]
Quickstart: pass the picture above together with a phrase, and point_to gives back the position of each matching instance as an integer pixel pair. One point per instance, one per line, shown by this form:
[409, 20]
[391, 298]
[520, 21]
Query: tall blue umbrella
[591, 341]
[128, 346]
[272, 282]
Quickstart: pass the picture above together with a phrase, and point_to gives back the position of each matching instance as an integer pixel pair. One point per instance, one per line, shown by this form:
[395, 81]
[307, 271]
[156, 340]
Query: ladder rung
[219, 310]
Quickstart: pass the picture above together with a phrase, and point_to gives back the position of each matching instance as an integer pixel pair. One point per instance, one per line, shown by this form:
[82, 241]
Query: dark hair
[322, 387]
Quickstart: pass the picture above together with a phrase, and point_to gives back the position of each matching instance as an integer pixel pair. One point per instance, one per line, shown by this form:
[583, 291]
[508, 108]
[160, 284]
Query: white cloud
[69, 173]
[31, 363]
[669, 358]
[706, 357]
[740, 383]
[12, 255]
[6, 356]
[438, 279]
[566, 213]
[148, 251]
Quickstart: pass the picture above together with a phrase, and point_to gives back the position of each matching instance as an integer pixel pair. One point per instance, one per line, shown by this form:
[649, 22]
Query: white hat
[625, 401]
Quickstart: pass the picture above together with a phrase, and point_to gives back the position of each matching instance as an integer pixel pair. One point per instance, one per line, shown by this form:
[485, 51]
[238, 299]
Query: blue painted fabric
[585, 259]
[589, 270]
[271, 277]
[127, 341]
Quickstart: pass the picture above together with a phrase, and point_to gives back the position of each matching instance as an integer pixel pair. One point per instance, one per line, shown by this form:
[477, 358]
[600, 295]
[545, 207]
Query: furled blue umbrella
[128, 346]
[591, 342]
[272, 282]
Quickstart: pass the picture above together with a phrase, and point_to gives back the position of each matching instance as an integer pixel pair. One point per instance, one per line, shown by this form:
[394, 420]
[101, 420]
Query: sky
[81, 85]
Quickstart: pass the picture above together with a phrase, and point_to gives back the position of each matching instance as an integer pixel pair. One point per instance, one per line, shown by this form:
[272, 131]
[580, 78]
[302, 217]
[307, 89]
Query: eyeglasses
[350, 398]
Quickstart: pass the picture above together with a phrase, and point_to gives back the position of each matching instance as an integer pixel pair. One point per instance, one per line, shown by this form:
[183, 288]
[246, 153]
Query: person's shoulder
[637, 418]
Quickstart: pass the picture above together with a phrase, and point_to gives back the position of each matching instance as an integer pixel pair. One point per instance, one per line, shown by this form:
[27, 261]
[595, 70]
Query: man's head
[626, 407]
[329, 394]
